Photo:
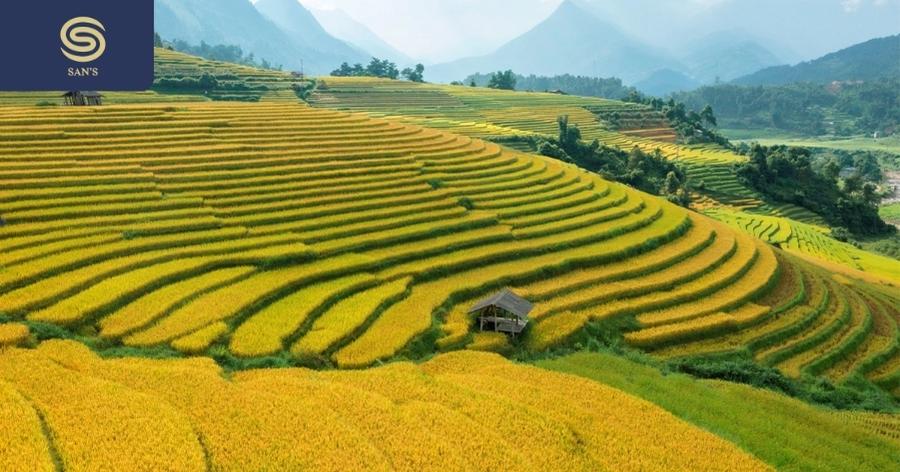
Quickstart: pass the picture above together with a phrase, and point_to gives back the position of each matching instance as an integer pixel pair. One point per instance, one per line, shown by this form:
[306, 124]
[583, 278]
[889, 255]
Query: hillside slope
[506, 117]
[874, 59]
[783, 432]
[209, 242]
[65, 407]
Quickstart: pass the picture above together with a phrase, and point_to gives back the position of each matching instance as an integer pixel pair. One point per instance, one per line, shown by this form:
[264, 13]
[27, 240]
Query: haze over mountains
[293, 39]
[576, 40]
[675, 45]
[341, 25]
[571, 40]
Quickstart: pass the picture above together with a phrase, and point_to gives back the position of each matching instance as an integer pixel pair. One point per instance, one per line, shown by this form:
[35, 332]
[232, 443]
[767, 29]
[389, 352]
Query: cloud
[851, 6]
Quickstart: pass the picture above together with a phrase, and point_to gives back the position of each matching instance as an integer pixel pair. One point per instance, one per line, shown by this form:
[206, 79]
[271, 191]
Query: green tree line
[611, 88]
[847, 108]
[381, 68]
[849, 204]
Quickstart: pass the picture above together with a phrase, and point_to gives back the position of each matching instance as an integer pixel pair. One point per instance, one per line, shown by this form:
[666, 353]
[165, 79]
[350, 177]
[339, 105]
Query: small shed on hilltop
[76, 98]
[503, 312]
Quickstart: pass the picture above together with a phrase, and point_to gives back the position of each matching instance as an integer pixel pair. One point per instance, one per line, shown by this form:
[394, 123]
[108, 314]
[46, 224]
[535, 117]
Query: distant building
[76, 98]
[503, 312]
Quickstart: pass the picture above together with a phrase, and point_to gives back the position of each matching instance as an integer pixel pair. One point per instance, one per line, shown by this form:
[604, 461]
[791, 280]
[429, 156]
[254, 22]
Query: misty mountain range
[578, 38]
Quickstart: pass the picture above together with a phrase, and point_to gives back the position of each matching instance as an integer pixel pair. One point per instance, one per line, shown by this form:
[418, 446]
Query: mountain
[342, 26]
[666, 81]
[727, 55]
[795, 30]
[867, 61]
[237, 22]
[301, 26]
[572, 40]
[717, 57]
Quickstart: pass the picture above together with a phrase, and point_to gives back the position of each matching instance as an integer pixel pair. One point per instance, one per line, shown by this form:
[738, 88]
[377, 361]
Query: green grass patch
[784, 432]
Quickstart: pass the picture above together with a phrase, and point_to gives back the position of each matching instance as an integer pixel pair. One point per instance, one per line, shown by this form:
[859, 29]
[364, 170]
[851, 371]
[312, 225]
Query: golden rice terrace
[284, 230]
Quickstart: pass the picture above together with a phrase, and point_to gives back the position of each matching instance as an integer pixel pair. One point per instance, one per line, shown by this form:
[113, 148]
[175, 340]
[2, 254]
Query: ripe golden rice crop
[200, 340]
[347, 316]
[12, 334]
[265, 332]
[98, 412]
[22, 442]
[269, 220]
[155, 304]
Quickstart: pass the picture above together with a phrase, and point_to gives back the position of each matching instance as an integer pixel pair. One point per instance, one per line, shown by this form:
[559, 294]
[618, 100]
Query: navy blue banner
[76, 45]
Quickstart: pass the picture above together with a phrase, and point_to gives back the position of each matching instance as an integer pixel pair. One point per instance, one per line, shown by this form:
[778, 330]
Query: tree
[376, 68]
[157, 40]
[568, 135]
[563, 122]
[565, 83]
[343, 71]
[414, 75]
[708, 116]
[786, 174]
[832, 170]
[645, 171]
[675, 191]
[473, 84]
[503, 80]
[208, 82]
[384, 69]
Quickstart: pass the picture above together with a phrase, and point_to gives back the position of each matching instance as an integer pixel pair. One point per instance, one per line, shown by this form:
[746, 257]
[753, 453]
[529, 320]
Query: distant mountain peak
[571, 40]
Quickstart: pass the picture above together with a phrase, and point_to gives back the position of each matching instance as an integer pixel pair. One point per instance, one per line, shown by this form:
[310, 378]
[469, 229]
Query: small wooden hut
[81, 99]
[503, 312]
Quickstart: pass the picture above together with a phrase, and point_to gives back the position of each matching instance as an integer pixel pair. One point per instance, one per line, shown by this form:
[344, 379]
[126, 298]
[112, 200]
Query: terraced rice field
[276, 86]
[66, 408]
[831, 327]
[284, 230]
[498, 114]
[204, 237]
[807, 239]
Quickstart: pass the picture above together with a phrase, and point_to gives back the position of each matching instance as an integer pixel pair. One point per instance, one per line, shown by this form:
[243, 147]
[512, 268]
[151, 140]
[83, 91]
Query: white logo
[82, 39]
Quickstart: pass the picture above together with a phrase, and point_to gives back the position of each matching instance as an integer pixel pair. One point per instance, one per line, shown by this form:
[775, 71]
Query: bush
[856, 393]
[650, 172]
[466, 203]
[841, 234]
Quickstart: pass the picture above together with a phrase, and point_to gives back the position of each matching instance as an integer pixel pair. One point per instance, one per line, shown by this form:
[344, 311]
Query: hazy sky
[441, 30]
